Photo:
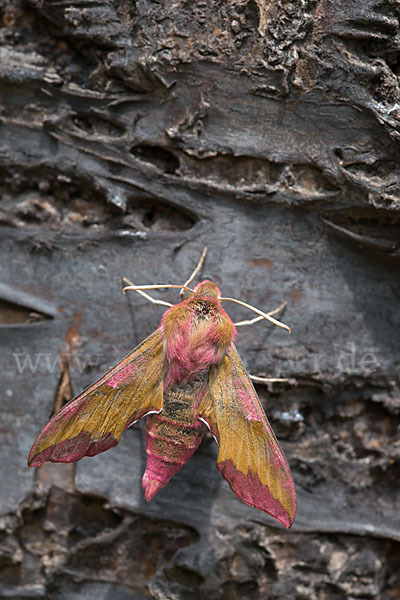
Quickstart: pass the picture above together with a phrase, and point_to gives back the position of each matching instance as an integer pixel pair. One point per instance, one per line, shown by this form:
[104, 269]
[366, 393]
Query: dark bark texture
[131, 135]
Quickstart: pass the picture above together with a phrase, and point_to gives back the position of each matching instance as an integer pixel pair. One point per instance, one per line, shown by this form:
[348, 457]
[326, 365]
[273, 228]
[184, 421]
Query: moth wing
[249, 456]
[94, 420]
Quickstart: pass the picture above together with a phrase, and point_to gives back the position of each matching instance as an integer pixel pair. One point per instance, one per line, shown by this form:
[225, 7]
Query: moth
[185, 377]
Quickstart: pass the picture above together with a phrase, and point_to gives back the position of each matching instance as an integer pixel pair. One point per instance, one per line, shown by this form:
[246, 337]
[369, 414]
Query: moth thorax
[207, 289]
[203, 308]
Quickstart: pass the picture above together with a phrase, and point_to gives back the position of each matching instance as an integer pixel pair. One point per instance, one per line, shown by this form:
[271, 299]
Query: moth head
[207, 289]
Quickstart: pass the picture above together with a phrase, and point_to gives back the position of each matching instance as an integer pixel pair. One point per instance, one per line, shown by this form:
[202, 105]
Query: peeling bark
[131, 135]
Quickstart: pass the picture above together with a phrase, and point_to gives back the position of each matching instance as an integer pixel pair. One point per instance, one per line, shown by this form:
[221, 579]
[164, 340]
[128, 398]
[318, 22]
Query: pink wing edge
[81, 445]
[249, 487]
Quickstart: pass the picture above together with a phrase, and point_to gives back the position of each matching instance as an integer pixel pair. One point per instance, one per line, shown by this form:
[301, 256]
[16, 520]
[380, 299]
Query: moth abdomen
[169, 445]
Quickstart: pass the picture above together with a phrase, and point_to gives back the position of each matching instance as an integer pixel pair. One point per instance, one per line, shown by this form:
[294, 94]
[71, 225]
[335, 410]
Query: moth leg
[197, 269]
[268, 379]
[153, 300]
[248, 322]
[251, 321]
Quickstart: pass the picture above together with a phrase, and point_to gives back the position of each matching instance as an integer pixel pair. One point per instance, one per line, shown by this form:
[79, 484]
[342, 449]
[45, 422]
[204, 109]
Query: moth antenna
[256, 319]
[139, 288]
[259, 312]
[153, 300]
[197, 270]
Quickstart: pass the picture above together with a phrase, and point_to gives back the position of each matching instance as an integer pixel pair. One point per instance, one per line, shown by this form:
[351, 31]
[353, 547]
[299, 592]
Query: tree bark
[131, 136]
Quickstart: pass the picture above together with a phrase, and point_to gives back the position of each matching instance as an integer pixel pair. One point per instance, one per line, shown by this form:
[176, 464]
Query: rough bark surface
[131, 135]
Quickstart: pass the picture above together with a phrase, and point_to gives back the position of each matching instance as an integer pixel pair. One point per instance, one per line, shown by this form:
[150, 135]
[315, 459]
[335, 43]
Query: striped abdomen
[174, 435]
